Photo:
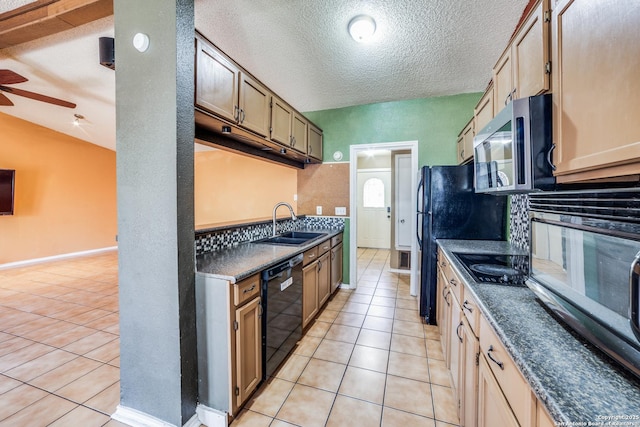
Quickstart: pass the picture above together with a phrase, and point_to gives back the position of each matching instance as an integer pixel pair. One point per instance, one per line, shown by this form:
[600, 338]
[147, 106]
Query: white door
[404, 212]
[374, 204]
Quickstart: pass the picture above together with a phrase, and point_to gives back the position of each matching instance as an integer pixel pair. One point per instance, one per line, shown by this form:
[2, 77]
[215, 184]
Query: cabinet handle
[249, 289]
[311, 256]
[243, 115]
[445, 298]
[293, 141]
[319, 265]
[553, 147]
[260, 309]
[333, 256]
[236, 113]
[453, 282]
[458, 331]
[500, 364]
[634, 284]
[467, 307]
[462, 154]
[443, 264]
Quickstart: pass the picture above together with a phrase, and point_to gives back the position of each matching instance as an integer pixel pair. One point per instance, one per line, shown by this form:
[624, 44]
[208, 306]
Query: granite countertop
[576, 382]
[242, 261]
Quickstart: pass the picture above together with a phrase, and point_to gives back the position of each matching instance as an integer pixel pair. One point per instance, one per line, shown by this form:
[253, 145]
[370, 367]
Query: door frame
[353, 201]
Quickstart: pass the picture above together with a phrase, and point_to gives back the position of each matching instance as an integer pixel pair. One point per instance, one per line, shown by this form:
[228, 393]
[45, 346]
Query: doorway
[372, 218]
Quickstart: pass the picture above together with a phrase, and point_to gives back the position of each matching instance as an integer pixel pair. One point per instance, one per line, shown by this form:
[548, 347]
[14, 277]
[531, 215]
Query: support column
[154, 146]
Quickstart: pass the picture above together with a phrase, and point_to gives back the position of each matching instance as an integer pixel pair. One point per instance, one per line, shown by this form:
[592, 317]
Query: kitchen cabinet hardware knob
[497, 362]
[249, 289]
[467, 307]
[453, 282]
[553, 147]
[458, 331]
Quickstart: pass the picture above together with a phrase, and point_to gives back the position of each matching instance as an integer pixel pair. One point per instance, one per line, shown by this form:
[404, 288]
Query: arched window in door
[373, 193]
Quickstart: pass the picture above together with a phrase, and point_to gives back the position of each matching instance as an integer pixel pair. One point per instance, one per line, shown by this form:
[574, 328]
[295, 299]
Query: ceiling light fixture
[362, 28]
[78, 117]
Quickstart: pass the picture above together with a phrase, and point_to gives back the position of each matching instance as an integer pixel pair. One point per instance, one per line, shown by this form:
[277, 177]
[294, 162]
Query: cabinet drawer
[454, 282]
[324, 247]
[310, 255]
[335, 240]
[511, 381]
[471, 311]
[246, 289]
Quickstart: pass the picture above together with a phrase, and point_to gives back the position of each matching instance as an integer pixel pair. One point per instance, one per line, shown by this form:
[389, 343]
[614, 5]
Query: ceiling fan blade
[4, 101]
[38, 97]
[8, 77]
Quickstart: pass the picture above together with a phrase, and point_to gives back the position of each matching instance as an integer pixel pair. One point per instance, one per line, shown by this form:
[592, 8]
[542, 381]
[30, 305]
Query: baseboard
[399, 270]
[135, 418]
[211, 417]
[346, 286]
[56, 257]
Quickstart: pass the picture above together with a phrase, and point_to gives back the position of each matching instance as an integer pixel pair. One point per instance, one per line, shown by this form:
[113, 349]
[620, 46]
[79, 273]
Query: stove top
[510, 270]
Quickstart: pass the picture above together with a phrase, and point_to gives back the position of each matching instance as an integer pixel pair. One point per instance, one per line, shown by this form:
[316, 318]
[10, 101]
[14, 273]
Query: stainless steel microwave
[512, 153]
[585, 265]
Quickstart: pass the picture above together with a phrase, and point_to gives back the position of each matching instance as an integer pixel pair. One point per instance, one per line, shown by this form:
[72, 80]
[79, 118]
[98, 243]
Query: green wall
[433, 122]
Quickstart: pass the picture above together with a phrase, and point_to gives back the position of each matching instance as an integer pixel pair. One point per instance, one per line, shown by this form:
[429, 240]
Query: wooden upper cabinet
[281, 120]
[530, 53]
[483, 113]
[465, 142]
[314, 142]
[217, 81]
[502, 82]
[255, 100]
[596, 89]
[523, 69]
[299, 133]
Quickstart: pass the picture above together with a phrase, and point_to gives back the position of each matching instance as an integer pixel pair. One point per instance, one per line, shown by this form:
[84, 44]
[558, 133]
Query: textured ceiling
[300, 49]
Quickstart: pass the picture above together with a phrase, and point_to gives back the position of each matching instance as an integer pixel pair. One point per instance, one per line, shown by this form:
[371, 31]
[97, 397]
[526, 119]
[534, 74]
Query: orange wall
[65, 193]
[234, 188]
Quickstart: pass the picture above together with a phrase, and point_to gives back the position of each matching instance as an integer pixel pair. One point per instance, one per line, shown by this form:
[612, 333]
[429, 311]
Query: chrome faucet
[275, 208]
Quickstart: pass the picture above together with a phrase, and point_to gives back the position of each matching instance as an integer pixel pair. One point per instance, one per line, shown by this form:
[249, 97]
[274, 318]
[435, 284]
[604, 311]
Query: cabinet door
[530, 53]
[460, 148]
[483, 113]
[216, 81]
[254, 105]
[467, 134]
[502, 82]
[299, 133]
[309, 293]
[324, 278]
[314, 142]
[596, 89]
[493, 409]
[248, 349]
[336, 267]
[468, 391]
[445, 301]
[281, 119]
[455, 342]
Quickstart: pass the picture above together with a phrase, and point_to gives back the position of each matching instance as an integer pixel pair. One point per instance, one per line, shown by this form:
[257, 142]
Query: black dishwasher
[282, 308]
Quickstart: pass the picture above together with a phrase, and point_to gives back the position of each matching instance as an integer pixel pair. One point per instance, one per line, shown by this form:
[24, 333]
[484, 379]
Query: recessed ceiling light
[362, 28]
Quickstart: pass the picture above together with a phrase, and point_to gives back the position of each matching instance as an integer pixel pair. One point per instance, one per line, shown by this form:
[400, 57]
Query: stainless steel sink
[292, 238]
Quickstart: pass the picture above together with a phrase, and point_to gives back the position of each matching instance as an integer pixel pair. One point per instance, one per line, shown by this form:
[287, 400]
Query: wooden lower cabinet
[468, 377]
[336, 266]
[309, 293]
[248, 332]
[493, 409]
[324, 278]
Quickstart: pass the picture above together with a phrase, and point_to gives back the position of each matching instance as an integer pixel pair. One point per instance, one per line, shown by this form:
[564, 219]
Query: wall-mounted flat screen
[7, 185]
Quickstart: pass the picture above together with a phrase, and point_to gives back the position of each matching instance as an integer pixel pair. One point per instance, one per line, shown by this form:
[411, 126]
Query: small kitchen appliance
[585, 265]
[512, 153]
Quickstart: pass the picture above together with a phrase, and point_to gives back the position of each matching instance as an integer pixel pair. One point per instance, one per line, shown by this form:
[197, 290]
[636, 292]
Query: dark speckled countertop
[576, 382]
[242, 261]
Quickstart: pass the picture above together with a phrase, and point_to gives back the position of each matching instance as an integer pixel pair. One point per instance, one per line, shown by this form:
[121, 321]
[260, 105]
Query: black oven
[585, 265]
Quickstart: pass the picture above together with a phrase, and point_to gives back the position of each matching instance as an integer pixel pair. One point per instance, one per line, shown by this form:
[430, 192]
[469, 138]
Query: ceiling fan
[8, 77]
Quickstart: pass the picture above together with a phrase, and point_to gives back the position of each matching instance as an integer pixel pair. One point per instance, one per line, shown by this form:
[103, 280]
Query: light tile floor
[59, 343]
[368, 360]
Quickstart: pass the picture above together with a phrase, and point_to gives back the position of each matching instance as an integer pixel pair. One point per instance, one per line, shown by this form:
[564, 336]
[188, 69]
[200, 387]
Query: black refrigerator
[448, 208]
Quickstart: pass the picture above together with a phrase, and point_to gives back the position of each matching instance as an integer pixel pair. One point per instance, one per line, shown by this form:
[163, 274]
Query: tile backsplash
[519, 224]
[224, 238]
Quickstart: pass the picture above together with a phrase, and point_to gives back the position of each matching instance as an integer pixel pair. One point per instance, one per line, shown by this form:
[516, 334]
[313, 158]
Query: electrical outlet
[318, 210]
[341, 210]
[295, 197]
